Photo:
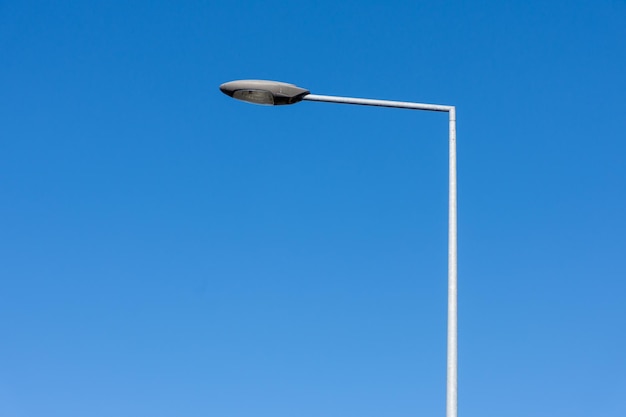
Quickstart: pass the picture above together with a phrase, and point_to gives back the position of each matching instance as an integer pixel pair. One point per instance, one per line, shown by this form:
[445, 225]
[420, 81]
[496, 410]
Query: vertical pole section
[452, 375]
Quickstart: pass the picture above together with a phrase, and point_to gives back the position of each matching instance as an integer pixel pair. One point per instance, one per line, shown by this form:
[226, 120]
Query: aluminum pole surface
[452, 376]
[378, 103]
[452, 355]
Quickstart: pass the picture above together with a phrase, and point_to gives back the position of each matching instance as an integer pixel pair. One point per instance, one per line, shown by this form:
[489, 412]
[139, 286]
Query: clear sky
[168, 251]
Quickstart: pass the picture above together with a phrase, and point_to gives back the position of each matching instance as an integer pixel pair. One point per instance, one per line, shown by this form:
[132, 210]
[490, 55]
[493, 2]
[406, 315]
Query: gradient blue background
[168, 251]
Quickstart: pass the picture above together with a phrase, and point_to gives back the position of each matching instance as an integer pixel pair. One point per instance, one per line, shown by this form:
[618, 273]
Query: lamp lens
[254, 96]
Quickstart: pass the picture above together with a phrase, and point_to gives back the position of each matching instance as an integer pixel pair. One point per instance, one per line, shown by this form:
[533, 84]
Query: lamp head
[272, 93]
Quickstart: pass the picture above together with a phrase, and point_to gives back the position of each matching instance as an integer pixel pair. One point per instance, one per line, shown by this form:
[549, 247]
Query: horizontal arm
[378, 103]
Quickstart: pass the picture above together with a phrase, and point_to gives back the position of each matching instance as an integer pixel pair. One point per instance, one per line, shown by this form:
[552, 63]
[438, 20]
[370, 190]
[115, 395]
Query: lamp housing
[272, 93]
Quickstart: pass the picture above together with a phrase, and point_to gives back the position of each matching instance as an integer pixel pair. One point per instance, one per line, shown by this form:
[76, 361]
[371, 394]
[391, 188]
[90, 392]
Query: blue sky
[168, 251]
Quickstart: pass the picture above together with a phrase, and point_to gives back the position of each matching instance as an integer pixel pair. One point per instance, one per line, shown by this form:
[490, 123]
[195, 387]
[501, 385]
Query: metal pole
[452, 376]
[378, 103]
[452, 355]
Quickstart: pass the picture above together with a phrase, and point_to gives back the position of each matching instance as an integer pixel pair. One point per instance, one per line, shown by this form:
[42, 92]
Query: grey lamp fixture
[271, 93]
[277, 93]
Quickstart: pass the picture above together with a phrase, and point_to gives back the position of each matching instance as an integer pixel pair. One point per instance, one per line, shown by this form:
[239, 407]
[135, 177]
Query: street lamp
[278, 93]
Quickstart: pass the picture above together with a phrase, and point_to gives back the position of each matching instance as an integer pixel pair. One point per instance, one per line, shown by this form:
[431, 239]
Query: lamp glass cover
[254, 96]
